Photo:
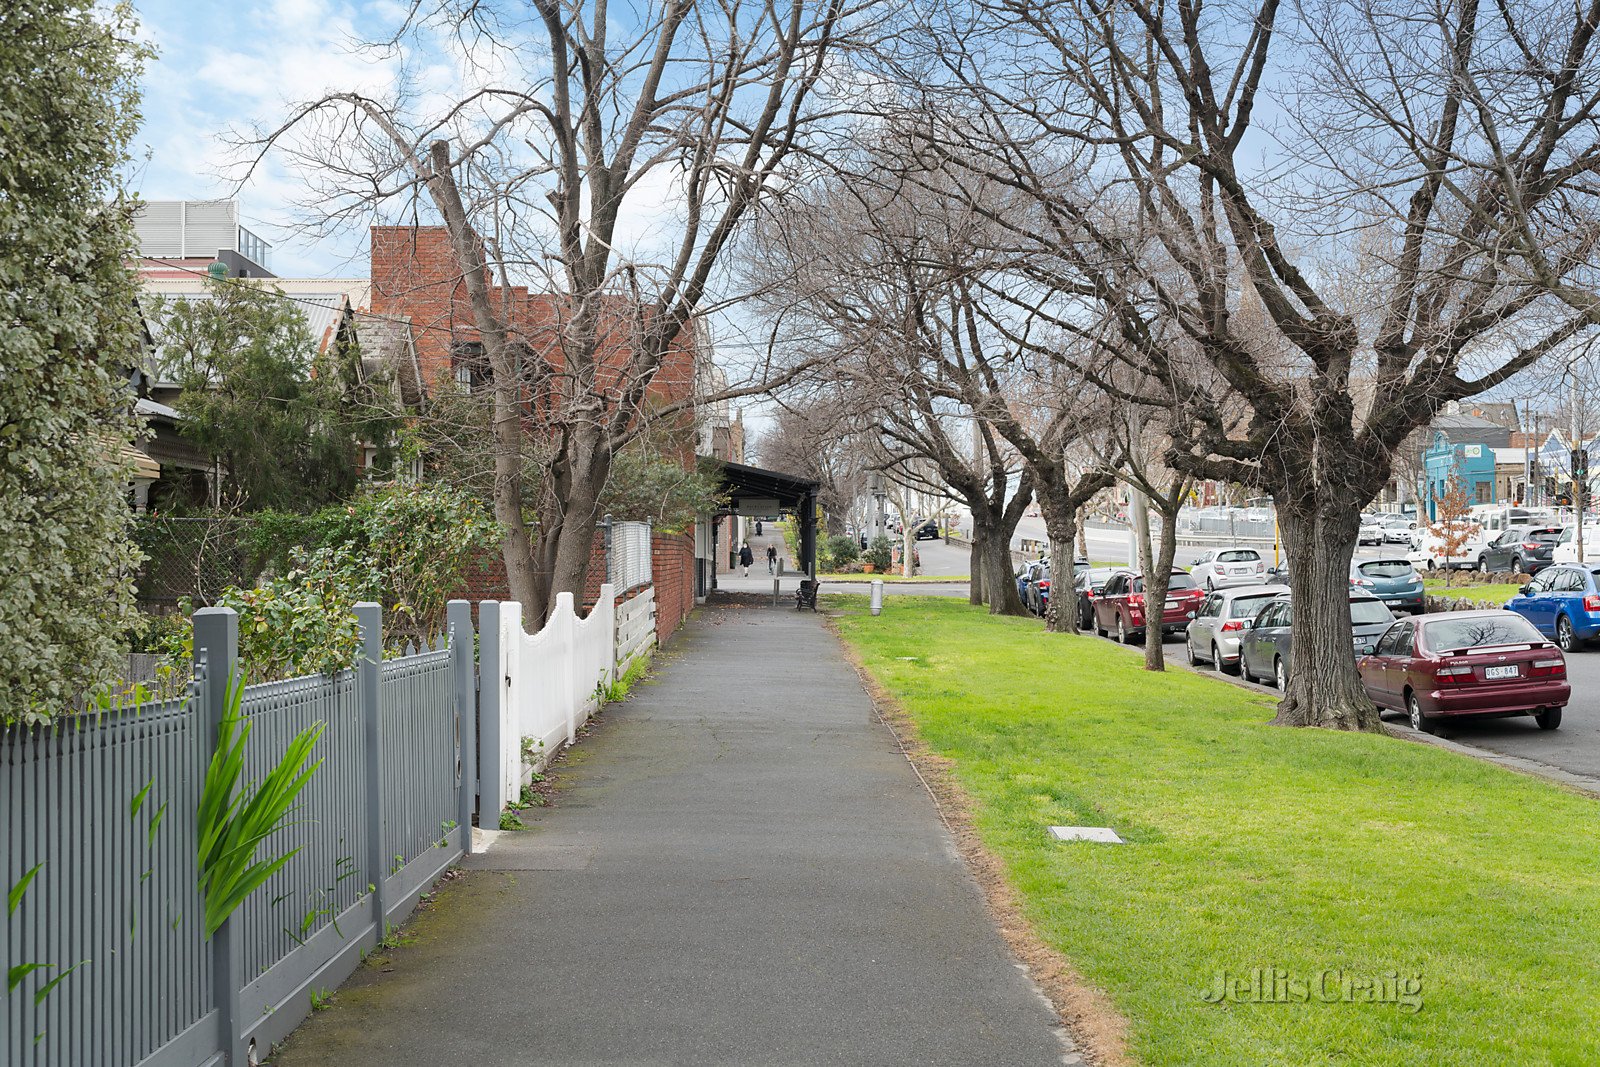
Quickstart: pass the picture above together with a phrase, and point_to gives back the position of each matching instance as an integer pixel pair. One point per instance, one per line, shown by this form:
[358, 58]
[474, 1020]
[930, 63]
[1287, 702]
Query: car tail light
[1260, 567]
[1364, 582]
[1043, 583]
[1231, 625]
[1591, 602]
[1452, 673]
[1532, 546]
[1548, 668]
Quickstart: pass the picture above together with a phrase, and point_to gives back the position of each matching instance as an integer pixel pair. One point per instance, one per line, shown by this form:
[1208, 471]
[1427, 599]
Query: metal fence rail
[628, 564]
[100, 822]
[101, 809]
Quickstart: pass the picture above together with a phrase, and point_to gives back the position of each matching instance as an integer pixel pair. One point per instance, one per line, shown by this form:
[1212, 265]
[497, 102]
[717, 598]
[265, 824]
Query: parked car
[1371, 531]
[1393, 581]
[928, 531]
[1222, 619]
[1221, 567]
[1563, 602]
[1264, 649]
[1088, 584]
[1521, 549]
[1457, 663]
[1120, 607]
[1566, 550]
[1027, 574]
[1397, 530]
[1038, 600]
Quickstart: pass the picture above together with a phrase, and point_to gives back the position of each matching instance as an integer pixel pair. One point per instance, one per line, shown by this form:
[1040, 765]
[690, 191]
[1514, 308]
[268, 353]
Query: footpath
[739, 867]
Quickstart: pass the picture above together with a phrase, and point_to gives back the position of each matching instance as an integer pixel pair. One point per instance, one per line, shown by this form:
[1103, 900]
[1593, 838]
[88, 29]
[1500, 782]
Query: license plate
[1172, 603]
[1512, 671]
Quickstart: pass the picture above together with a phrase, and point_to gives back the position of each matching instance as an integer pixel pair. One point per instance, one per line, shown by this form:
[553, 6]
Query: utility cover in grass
[1103, 834]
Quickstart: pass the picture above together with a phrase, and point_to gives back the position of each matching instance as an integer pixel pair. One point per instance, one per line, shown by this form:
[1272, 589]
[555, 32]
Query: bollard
[877, 596]
[775, 580]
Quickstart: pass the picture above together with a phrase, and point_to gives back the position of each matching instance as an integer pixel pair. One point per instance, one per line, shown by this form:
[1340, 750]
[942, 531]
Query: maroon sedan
[1489, 663]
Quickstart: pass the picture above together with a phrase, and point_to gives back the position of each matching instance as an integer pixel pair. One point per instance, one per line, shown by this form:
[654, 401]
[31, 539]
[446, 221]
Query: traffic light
[1580, 466]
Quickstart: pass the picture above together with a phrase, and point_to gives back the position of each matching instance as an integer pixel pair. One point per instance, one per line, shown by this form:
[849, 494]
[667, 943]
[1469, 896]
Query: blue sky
[222, 66]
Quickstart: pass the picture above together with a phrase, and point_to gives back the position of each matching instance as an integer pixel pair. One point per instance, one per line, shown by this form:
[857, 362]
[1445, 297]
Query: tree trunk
[1324, 688]
[1061, 530]
[1156, 578]
[999, 579]
[1083, 536]
[975, 566]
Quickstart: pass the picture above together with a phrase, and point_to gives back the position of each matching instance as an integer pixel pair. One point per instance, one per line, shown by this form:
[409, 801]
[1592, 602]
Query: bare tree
[1416, 226]
[538, 167]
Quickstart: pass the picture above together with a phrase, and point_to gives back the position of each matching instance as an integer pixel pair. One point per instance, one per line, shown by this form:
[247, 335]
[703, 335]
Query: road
[1575, 747]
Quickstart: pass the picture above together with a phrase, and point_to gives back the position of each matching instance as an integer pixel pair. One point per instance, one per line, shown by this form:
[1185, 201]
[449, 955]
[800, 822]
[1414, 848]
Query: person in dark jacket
[746, 557]
[772, 558]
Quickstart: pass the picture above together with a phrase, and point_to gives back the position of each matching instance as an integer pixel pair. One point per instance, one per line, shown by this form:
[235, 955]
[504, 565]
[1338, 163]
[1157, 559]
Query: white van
[1428, 549]
[1566, 550]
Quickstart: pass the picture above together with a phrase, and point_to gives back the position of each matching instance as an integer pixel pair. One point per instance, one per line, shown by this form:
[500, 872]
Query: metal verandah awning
[754, 490]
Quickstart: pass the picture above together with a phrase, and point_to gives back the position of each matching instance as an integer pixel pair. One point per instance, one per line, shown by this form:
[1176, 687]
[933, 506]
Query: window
[1478, 631]
[1391, 638]
[1179, 580]
[1365, 612]
[1485, 492]
[1388, 568]
[1240, 555]
[470, 365]
[1248, 607]
[1568, 581]
[1541, 584]
[1205, 557]
[1405, 639]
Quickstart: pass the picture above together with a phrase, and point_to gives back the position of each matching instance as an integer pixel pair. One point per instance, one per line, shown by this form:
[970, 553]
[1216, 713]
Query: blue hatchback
[1563, 602]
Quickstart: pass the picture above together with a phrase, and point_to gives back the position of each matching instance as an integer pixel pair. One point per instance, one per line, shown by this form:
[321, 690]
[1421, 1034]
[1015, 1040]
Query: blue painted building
[1471, 461]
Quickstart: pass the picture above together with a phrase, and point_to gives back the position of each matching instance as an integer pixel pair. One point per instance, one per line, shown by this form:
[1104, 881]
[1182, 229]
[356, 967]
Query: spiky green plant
[235, 820]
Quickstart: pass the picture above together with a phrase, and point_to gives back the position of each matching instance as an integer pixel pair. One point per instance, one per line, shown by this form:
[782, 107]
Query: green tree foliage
[68, 335]
[283, 419]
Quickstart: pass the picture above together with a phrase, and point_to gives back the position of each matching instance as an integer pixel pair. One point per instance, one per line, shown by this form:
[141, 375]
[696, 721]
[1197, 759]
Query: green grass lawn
[896, 577]
[1256, 846]
[1494, 594]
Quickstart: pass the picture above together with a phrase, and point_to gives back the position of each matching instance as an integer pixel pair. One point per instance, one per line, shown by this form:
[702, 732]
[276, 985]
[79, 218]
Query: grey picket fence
[105, 919]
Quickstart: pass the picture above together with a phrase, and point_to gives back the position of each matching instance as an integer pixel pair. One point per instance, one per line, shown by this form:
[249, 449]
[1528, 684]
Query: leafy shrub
[880, 553]
[838, 551]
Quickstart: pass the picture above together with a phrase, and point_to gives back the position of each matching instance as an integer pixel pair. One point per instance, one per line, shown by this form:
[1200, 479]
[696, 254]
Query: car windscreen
[1476, 631]
[1545, 536]
[1248, 607]
[1240, 555]
[1367, 612]
[1388, 568]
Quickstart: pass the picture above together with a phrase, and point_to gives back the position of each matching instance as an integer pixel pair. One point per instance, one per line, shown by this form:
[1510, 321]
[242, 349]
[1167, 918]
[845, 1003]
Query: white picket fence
[636, 627]
[538, 689]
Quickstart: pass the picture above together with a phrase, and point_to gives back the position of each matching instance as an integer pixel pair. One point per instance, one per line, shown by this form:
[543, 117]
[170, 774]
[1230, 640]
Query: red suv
[1120, 607]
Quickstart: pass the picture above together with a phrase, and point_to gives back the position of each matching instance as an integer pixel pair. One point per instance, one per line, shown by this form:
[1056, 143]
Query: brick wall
[672, 559]
[415, 274]
[485, 577]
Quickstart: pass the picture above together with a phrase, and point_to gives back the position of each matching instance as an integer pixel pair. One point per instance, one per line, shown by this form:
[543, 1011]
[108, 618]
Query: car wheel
[1280, 677]
[1419, 721]
[1244, 667]
[1548, 719]
[1122, 631]
[1216, 658]
[1516, 564]
[1430, 564]
[1209, 587]
[1099, 631]
[1194, 660]
[1483, 564]
[1565, 638]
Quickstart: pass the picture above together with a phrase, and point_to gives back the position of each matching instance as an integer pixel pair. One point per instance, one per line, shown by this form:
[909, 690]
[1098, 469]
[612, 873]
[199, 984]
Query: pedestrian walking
[772, 559]
[746, 557]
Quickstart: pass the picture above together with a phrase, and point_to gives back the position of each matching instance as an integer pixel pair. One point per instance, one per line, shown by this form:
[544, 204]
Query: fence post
[369, 685]
[459, 615]
[216, 652]
[491, 714]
